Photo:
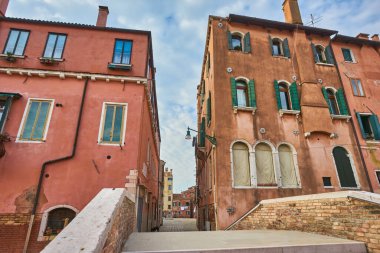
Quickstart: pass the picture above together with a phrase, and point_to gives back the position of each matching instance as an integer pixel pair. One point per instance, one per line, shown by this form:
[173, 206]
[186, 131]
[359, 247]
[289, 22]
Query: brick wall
[13, 229]
[341, 216]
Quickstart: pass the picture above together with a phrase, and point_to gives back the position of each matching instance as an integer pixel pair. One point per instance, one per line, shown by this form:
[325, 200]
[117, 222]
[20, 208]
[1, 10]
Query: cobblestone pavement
[179, 225]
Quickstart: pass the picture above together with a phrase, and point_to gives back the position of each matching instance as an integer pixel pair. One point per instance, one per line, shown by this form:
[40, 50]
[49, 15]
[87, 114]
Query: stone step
[253, 241]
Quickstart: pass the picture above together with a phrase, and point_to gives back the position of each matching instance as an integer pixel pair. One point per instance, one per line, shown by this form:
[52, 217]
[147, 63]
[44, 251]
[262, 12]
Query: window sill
[247, 109]
[328, 187]
[341, 117]
[294, 112]
[350, 188]
[372, 141]
[12, 58]
[119, 66]
[354, 62]
[281, 57]
[239, 51]
[325, 64]
[110, 144]
[50, 61]
[29, 141]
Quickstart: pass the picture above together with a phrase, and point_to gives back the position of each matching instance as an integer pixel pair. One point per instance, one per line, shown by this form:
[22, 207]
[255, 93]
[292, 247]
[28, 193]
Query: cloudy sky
[179, 33]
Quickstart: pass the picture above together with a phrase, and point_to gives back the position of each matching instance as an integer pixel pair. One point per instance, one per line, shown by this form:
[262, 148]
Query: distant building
[184, 204]
[168, 192]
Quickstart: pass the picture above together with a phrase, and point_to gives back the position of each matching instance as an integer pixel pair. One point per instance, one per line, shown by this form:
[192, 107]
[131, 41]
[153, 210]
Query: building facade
[184, 204]
[168, 193]
[358, 61]
[271, 97]
[78, 114]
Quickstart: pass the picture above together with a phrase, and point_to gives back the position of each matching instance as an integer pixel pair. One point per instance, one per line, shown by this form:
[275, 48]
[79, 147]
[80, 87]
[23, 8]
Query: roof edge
[354, 40]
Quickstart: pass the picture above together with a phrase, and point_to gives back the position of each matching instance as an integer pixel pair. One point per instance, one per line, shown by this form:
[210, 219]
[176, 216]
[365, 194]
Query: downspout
[352, 122]
[43, 168]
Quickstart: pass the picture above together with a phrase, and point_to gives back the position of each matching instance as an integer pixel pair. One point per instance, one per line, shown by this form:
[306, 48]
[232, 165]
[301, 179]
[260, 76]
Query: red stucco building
[184, 204]
[78, 113]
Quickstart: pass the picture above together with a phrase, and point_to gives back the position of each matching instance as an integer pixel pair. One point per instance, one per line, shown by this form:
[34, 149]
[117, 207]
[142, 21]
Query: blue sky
[179, 32]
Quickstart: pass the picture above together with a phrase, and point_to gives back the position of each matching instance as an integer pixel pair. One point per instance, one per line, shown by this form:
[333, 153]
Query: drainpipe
[352, 122]
[43, 168]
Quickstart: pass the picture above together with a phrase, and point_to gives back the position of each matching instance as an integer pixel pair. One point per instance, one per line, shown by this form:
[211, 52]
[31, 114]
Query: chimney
[375, 37]
[3, 7]
[364, 36]
[292, 12]
[102, 16]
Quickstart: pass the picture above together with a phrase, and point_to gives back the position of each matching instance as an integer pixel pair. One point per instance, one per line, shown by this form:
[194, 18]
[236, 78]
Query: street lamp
[210, 138]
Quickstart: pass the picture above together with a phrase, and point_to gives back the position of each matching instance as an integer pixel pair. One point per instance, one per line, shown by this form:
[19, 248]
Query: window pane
[359, 85]
[59, 47]
[264, 165]
[367, 125]
[21, 43]
[236, 43]
[127, 52]
[288, 173]
[28, 126]
[240, 156]
[276, 49]
[354, 88]
[10, 47]
[242, 98]
[108, 123]
[284, 96]
[50, 45]
[38, 132]
[118, 51]
[347, 54]
[118, 124]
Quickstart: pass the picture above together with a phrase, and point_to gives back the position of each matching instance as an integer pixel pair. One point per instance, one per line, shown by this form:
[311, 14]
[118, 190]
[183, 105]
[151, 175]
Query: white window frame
[102, 121]
[24, 117]
[358, 186]
[45, 217]
[352, 56]
[295, 163]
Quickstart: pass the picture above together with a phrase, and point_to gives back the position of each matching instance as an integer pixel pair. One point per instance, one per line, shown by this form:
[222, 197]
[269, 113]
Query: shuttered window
[113, 125]
[202, 134]
[279, 47]
[36, 118]
[247, 43]
[294, 97]
[209, 108]
[287, 96]
[238, 43]
[322, 54]
[369, 125]
[243, 94]
[341, 102]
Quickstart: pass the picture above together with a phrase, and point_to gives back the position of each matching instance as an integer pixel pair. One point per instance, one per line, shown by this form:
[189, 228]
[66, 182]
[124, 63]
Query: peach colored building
[358, 61]
[271, 96]
[78, 113]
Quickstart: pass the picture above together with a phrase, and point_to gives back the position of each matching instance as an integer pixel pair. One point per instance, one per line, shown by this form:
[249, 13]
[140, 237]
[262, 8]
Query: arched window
[285, 97]
[241, 168]
[237, 42]
[264, 165]
[57, 220]
[321, 54]
[242, 94]
[277, 47]
[287, 167]
[331, 99]
[344, 168]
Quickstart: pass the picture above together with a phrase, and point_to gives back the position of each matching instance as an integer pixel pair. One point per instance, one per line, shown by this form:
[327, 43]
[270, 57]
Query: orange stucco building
[271, 96]
[358, 60]
[78, 113]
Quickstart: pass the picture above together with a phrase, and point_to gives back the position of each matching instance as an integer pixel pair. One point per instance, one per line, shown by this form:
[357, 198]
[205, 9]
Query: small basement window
[327, 181]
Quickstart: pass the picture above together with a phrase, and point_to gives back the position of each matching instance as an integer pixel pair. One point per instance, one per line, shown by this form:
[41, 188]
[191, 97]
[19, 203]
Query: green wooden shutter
[247, 43]
[326, 98]
[209, 108]
[229, 38]
[375, 126]
[271, 44]
[277, 92]
[252, 93]
[361, 125]
[341, 102]
[233, 92]
[315, 54]
[329, 56]
[285, 46]
[294, 97]
[203, 91]
[202, 136]
[5, 113]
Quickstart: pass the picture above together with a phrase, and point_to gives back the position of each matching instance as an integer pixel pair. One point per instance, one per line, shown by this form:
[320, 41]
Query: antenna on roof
[314, 20]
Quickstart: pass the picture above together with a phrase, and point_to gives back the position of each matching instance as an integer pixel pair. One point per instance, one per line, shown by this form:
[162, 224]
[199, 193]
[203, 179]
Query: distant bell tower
[292, 12]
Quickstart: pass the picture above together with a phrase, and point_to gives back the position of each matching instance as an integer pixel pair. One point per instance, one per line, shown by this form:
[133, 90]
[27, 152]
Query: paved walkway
[179, 225]
[256, 241]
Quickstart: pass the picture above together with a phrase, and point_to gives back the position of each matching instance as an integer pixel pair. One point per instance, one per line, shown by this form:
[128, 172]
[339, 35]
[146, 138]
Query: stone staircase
[257, 241]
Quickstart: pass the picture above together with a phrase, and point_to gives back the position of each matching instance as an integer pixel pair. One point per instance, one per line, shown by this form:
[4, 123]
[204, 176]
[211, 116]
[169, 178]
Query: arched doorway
[344, 168]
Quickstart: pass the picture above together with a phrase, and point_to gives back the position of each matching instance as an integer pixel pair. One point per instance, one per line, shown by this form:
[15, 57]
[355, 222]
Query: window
[169, 198]
[36, 120]
[236, 43]
[241, 89]
[378, 175]
[288, 170]
[357, 87]
[170, 179]
[54, 46]
[344, 168]
[369, 125]
[322, 54]
[122, 52]
[187, 203]
[16, 42]
[327, 181]
[284, 96]
[279, 47]
[239, 42]
[169, 187]
[243, 93]
[58, 219]
[5, 104]
[240, 164]
[169, 207]
[332, 102]
[348, 55]
[113, 123]
[276, 47]
[264, 165]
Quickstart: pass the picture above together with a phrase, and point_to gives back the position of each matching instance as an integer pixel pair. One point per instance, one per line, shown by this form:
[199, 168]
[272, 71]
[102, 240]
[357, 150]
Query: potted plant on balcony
[10, 57]
[4, 137]
[48, 60]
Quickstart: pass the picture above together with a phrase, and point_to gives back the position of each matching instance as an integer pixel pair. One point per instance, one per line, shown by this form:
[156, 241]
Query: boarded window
[241, 171]
[264, 165]
[288, 171]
